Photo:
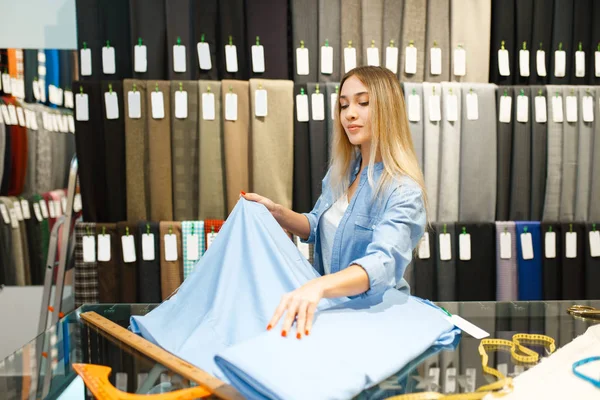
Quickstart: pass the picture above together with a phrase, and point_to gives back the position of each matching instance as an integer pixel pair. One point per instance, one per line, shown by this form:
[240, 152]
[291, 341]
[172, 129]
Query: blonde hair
[390, 135]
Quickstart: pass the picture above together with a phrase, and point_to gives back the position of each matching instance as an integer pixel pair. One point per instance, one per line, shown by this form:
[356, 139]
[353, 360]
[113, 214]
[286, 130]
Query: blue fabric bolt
[52, 71]
[529, 271]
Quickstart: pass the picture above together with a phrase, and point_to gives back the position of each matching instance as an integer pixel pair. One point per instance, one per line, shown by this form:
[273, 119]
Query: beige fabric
[171, 272]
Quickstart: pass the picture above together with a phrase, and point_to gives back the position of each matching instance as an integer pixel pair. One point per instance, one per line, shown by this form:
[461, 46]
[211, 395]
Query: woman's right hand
[273, 208]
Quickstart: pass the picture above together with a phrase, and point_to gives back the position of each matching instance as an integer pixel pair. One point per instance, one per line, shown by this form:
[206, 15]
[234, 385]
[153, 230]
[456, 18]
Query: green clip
[301, 91]
[572, 92]
[392, 43]
[372, 43]
[505, 92]
[212, 229]
[464, 230]
[180, 87]
[147, 229]
[85, 45]
[445, 229]
[598, 46]
[450, 91]
[414, 91]
[570, 228]
[89, 231]
[502, 45]
[208, 89]
[139, 41]
[110, 88]
[460, 46]
[230, 89]
[202, 38]
[522, 93]
[506, 229]
[126, 231]
[193, 225]
[446, 311]
[134, 87]
[580, 47]
[349, 44]
[525, 229]
[560, 46]
[337, 89]
[258, 41]
[317, 89]
[170, 230]
[471, 90]
[433, 90]
[557, 94]
[302, 44]
[541, 46]
[178, 41]
[108, 43]
[156, 87]
[587, 91]
[411, 43]
[524, 45]
[81, 89]
[540, 93]
[104, 230]
[230, 40]
[434, 43]
[326, 42]
[594, 227]
[550, 228]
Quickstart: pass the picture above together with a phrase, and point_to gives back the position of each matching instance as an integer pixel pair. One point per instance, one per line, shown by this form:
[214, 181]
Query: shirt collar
[378, 166]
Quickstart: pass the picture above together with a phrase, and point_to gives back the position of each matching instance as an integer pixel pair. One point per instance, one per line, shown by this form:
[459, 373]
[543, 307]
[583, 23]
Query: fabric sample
[148, 23]
[541, 40]
[594, 210]
[506, 268]
[569, 162]
[539, 151]
[585, 131]
[179, 17]
[503, 31]
[171, 272]
[304, 14]
[302, 201]
[351, 31]
[520, 156]
[438, 35]
[191, 230]
[529, 269]
[555, 156]
[86, 273]
[109, 289]
[425, 273]
[128, 274]
[149, 269]
[232, 24]
[446, 269]
[551, 266]
[504, 152]
[205, 23]
[592, 265]
[582, 26]
[318, 144]
[573, 269]
[480, 266]
[372, 29]
[414, 20]
[330, 32]
[562, 36]
[523, 19]
[426, 135]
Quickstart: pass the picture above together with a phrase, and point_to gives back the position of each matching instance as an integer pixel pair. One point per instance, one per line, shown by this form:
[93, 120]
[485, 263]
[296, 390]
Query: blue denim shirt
[379, 235]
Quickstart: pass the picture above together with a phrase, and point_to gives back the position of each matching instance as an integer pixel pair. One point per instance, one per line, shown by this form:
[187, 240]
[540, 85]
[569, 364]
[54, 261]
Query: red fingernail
[299, 336]
[306, 332]
[284, 334]
[269, 327]
[243, 193]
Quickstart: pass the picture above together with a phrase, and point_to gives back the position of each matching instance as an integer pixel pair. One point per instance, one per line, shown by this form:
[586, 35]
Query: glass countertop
[26, 374]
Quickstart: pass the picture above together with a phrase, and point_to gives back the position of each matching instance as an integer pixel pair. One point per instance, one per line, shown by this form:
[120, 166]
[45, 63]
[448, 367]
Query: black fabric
[445, 270]
[542, 34]
[425, 273]
[524, 33]
[90, 32]
[562, 32]
[7, 159]
[552, 266]
[30, 66]
[302, 201]
[34, 245]
[520, 181]
[269, 21]
[147, 21]
[503, 20]
[481, 267]
[594, 45]
[573, 269]
[7, 269]
[149, 271]
[232, 23]
[592, 266]
[582, 26]
[180, 18]
[66, 77]
[114, 23]
[318, 145]
[305, 20]
[206, 17]
[504, 150]
[539, 152]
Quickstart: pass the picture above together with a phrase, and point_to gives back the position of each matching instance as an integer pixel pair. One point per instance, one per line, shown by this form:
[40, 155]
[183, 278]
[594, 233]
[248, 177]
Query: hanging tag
[318, 106]
[44, 209]
[505, 246]
[560, 63]
[302, 65]
[37, 212]
[148, 247]
[505, 109]
[571, 243]
[349, 58]
[231, 107]
[52, 94]
[424, 247]
[434, 375]
[208, 106]
[89, 249]
[326, 60]
[579, 64]
[58, 208]
[541, 62]
[18, 211]
[465, 246]
[258, 59]
[588, 109]
[13, 218]
[112, 105]
[302, 107]
[231, 60]
[260, 101]
[21, 116]
[121, 381]
[170, 247]
[6, 83]
[210, 238]
[5, 114]
[472, 107]
[595, 243]
[526, 246]
[181, 104]
[524, 62]
[4, 212]
[540, 109]
[391, 59]
[410, 64]
[597, 63]
[571, 109]
[55, 124]
[82, 112]
[522, 108]
[334, 100]
[452, 108]
[128, 246]
[70, 121]
[86, 62]
[134, 104]
[158, 105]
[460, 62]
[469, 328]
[302, 247]
[179, 58]
[60, 97]
[436, 60]
[414, 108]
[192, 253]
[204, 59]
[373, 56]
[435, 112]
[503, 63]
[445, 247]
[450, 386]
[25, 208]
[68, 99]
[36, 90]
[104, 248]
[140, 55]
[77, 206]
[63, 204]
[12, 111]
[557, 109]
[108, 60]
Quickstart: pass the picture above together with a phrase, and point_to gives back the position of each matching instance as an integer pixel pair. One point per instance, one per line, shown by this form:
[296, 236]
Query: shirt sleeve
[394, 239]
[313, 219]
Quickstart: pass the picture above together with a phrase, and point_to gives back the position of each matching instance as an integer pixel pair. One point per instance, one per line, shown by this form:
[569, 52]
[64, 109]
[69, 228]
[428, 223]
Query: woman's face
[354, 107]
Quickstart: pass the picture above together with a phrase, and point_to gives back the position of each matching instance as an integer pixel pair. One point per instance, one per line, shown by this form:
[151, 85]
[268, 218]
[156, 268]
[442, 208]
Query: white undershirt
[329, 223]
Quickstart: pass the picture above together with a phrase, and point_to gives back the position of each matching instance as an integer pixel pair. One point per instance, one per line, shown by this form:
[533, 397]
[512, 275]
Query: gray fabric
[318, 144]
[330, 88]
[372, 29]
[506, 269]
[584, 157]
[554, 166]
[450, 158]
[44, 154]
[438, 31]
[17, 248]
[539, 150]
[569, 161]
[449, 359]
[392, 24]
[470, 27]
[30, 175]
[414, 19]
[504, 149]
[478, 148]
[594, 213]
[351, 31]
[429, 157]
[2, 148]
[329, 29]
[305, 14]
[446, 270]
[520, 180]
[482, 315]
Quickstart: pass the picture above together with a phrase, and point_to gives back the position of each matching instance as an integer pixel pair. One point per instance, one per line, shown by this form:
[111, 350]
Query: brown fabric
[108, 271]
[237, 167]
[136, 155]
[159, 161]
[171, 272]
[128, 271]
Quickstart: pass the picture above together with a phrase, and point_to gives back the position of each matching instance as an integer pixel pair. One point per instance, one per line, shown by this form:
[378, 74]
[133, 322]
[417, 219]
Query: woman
[372, 210]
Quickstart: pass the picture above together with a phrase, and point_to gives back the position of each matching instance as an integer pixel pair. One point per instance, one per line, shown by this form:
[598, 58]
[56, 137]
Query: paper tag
[12, 111]
[82, 112]
[468, 327]
[541, 62]
[503, 64]
[373, 56]
[54, 122]
[260, 103]
[560, 61]
[14, 222]
[414, 108]
[524, 62]
[58, 208]
[571, 245]
[231, 58]
[36, 90]
[445, 247]
[579, 64]
[505, 109]
[472, 107]
[208, 106]
[68, 99]
[258, 59]
[435, 112]
[424, 247]
[334, 100]
[5, 114]
[121, 381]
[86, 62]
[4, 212]
[410, 64]
[452, 108]
[434, 374]
[435, 54]
[304, 248]
[181, 104]
[51, 209]
[25, 208]
[108, 60]
[140, 55]
[210, 238]
[540, 109]
[70, 122]
[104, 248]
[464, 246]
[89, 249]
[128, 247]
[170, 247]
[37, 212]
[471, 379]
[349, 58]
[302, 65]
[595, 243]
[148, 247]
[44, 208]
[526, 246]
[158, 105]
[20, 116]
[6, 83]
[550, 245]
[597, 63]
[318, 106]
[60, 96]
[192, 253]
[326, 60]
[302, 107]
[588, 109]
[522, 108]
[204, 59]
[505, 246]
[179, 58]
[571, 108]
[18, 212]
[557, 109]
[231, 105]
[450, 386]
[460, 62]
[134, 104]
[112, 105]
[391, 59]
[77, 206]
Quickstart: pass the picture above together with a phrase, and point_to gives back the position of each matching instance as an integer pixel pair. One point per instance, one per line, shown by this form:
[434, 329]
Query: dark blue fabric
[529, 271]
[52, 71]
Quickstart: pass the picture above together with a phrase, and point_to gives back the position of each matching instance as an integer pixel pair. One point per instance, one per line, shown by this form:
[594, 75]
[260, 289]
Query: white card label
[302, 107]
[86, 62]
[5, 114]
[560, 63]
[349, 58]
[522, 108]
[204, 59]
[317, 106]
[231, 107]
[302, 65]
[36, 90]
[260, 103]
[373, 56]
[208, 106]
[25, 208]
[424, 247]
[14, 222]
[82, 112]
[550, 245]
[595, 244]
[414, 108]
[4, 212]
[334, 100]
[6, 83]
[68, 99]
[258, 59]
[104, 248]
[108, 60]
[77, 206]
[465, 246]
[158, 105]
[588, 109]
[450, 386]
[170, 247]
[112, 105]
[524, 62]
[505, 109]
[435, 108]
[472, 107]
[140, 55]
[128, 246]
[505, 246]
[210, 238]
[231, 60]
[37, 212]
[18, 212]
[410, 61]
[541, 62]
[326, 60]
[597, 63]
[503, 63]
[527, 246]
[436, 61]
[70, 121]
[579, 64]
[51, 209]
[557, 109]
[12, 111]
[452, 108]
[540, 109]
[44, 208]
[571, 109]
[148, 247]
[179, 58]
[303, 248]
[434, 374]
[121, 381]
[192, 253]
[391, 59]
[571, 245]
[89, 249]
[445, 247]
[134, 103]
[460, 62]
[21, 116]
[468, 327]
[181, 104]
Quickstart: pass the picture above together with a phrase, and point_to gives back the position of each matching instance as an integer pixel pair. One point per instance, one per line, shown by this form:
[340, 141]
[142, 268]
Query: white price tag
[450, 386]
[134, 103]
[179, 58]
[171, 247]
[44, 209]
[302, 107]
[68, 99]
[260, 103]
[571, 245]
[472, 107]
[25, 208]
[12, 111]
[104, 248]
[334, 100]
[468, 327]
[435, 54]
[434, 374]
[192, 253]
[522, 108]
[349, 58]
[541, 62]
[465, 246]
[14, 222]
[82, 112]
[204, 59]
[327, 60]
[303, 248]
[6, 83]
[460, 62]
[373, 56]
[5, 114]
[4, 212]
[121, 381]
[21, 116]
[571, 108]
[89, 249]
[391, 59]
[109, 66]
[302, 65]
[231, 60]
[594, 244]
[231, 107]
[505, 109]
[550, 245]
[410, 61]
[128, 247]
[77, 205]
[452, 108]
[445, 247]
[140, 56]
[60, 96]
[158, 105]
[181, 104]
[579, 64]
[317, 106]
[18, 212]
[51, 209]
[258, 59]
[36, 90]
[112, 105]
[148, 247]
[70, 122]
[210, 238]
[86, 62]
[505, 246]
[424, 247]
[435, 108]
[37, 212]
[414, 108]
[540, 109]
[588, 109]
[524, 62]
[208, 106]
[503, 63]
[527, 246]
[557, 109]
[560, 63]
[58, 208]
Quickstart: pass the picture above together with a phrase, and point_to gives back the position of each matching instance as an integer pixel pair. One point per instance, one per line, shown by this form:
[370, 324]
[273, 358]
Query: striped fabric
[189, 228]
[86, 274]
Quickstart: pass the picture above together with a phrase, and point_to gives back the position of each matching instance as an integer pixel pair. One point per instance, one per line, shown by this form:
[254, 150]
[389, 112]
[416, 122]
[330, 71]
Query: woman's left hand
[300, 305]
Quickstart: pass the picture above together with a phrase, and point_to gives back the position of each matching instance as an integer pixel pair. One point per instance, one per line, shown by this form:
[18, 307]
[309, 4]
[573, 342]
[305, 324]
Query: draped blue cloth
[529, 271]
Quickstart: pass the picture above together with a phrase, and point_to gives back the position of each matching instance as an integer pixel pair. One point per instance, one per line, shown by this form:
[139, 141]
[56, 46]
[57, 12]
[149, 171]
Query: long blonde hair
[390, 135]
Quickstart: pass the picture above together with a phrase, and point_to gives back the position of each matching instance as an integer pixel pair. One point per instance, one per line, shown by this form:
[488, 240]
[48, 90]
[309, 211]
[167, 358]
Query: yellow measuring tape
[504, 385]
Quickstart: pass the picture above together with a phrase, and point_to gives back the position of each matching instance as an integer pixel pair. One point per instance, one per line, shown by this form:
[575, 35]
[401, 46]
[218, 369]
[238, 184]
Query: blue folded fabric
[52, 71]
[217, 320]
[529, 271]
